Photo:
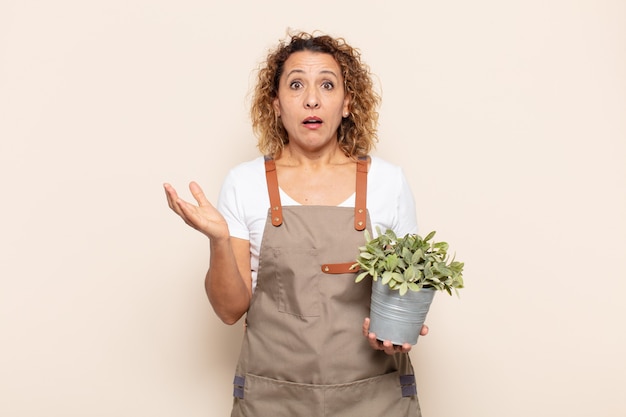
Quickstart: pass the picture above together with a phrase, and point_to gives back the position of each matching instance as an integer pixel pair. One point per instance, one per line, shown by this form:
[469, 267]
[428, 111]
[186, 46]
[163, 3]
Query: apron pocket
[267, 397]
[298, 289]
[371, 397]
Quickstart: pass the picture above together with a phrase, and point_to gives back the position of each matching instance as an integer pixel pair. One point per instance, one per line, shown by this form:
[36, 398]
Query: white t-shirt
[244, 202]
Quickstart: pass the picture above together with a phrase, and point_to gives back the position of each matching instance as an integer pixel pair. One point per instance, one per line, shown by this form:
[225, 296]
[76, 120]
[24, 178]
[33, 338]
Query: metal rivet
[276, 219]
[275, 208]
[360, 210]
[326, 269]
[360, 223]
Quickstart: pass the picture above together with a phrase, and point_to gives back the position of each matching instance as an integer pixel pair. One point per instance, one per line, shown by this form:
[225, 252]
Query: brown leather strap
[342, 268]
[360, 203]
[272, 189]
[360, 216]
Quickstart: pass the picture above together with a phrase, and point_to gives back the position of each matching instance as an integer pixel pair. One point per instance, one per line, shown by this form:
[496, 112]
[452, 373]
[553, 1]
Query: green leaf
[403, 288]
[410, 273]
[441, 245]
[441, 268]
[390, 233]
[391, 262]
[360, 277]
[407, 256]
[396, 276]
[387, 275]
[417, 256]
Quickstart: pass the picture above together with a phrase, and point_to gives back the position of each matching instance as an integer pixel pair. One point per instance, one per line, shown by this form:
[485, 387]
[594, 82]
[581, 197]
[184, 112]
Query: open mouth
[312, 121]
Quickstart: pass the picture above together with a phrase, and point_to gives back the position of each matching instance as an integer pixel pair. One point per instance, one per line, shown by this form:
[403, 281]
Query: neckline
[360, 199]
[288, 201]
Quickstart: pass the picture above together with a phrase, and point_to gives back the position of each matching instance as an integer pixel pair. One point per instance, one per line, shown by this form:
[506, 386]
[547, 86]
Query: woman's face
[311, 100]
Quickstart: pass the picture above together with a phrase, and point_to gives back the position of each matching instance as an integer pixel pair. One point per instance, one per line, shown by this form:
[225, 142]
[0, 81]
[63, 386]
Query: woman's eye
[327, 85]
[295, 85]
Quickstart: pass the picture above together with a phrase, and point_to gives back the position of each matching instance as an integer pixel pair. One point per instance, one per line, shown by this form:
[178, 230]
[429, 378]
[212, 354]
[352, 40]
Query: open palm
[203, 217]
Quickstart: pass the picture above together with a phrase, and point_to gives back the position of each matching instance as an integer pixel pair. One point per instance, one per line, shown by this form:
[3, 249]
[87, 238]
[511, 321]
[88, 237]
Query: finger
[424, 330]
[388, 347]
[374, 343]
[171, 194]
[198, 194]
[405, 348]
[173, 201]
[366, 326]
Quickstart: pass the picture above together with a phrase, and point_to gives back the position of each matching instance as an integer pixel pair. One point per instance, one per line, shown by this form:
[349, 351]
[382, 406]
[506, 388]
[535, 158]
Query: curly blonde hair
[356, 133]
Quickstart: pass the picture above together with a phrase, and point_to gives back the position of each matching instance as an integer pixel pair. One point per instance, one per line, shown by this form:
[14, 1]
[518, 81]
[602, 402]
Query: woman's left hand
[386, 346]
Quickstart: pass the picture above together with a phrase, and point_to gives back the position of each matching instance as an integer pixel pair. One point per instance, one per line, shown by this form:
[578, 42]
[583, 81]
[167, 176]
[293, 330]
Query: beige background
[507, 116]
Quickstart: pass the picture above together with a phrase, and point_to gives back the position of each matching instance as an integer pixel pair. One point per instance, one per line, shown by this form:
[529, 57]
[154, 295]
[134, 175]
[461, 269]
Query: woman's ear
[276, 104]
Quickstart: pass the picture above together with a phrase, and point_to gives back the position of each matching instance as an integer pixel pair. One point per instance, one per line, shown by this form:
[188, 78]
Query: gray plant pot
[398, 318]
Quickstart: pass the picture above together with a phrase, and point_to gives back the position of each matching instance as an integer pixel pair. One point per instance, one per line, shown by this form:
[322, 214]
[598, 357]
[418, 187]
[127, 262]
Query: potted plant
[406, 273]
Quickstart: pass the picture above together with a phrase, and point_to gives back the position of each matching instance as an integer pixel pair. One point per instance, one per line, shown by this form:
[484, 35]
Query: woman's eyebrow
[299, 71]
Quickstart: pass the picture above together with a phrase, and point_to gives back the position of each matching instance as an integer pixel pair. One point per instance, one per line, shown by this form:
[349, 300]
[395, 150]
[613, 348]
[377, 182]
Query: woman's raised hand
[204, 217]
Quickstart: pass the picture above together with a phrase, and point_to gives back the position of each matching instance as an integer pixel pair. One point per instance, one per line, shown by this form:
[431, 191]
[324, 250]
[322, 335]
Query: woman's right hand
[204, 217]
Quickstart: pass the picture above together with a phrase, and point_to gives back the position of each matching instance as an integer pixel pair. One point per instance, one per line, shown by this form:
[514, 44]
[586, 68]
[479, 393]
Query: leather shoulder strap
[360, 203]
[276, 207]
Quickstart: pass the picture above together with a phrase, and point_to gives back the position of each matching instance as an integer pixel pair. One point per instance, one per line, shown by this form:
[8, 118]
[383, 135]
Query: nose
[312, 101]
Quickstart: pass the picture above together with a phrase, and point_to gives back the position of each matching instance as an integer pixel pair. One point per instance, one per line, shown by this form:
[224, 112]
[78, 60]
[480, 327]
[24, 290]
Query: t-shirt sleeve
[390, 199]
[406, 219]
[231, 207]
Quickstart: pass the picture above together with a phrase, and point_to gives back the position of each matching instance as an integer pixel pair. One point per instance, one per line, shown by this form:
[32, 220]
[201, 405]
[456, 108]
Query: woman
[281, 255]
